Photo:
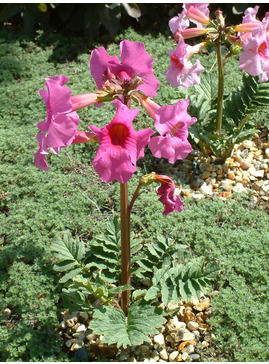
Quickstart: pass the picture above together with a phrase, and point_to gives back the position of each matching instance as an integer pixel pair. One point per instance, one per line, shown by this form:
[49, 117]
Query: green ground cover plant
[35, 206]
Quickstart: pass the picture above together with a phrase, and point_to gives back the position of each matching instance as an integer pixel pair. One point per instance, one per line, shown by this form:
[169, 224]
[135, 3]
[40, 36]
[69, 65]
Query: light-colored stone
[239, 188]
[192, 325]
[163, 354]
[252, 171]
[205, 344]
[159, 339]
[247, 144]
[260, 173]
[266, 152]
[81, 328]
[197, 196]
[188, 336]
[206, 190]
[173, 356]
[184, 356]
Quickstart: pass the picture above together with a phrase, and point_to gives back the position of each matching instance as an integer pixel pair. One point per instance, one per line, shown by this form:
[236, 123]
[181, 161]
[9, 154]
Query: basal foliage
[94, 270]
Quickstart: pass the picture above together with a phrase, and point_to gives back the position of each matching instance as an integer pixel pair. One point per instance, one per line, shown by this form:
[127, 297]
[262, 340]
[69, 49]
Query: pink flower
[171, 201]
[182, 72]
[177, 24]
[250, 15]
[198, 13]
[134, 61]
[60, 127]
[120, 146]
[172, 124]
[255, 56]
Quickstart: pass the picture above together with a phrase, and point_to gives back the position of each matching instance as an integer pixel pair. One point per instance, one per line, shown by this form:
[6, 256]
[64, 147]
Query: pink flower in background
[134, 61]
[250, 15]
[177, 24]
[181, 71]
[172, 123]
[120, 146]
[171, 201]
[198, 13]
[255, 56]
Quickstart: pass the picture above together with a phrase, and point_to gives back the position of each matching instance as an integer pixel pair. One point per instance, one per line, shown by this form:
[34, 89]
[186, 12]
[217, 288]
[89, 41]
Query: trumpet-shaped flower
[60, 127]
[172, 123]
[181, 71]
[198, 13]
[134, 61]
[255, 56]
[171, 201]
[120, 146]
[177, 24]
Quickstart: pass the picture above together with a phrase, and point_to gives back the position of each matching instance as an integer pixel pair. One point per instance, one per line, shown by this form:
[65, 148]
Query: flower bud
[193, 32]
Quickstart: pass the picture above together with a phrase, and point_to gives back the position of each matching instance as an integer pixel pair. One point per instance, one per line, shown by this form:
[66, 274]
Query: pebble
[81, 328]
[266, 152]
[205, 344]
[247, 144]
[239, 188]
[159, 339]
[260, 173]
[206, 190]
[173, 356]
[184, 356]
[192, 325]
[163, 354]
[7, 313]
[194, 356]
[197, 196]
[188, 336]
[188, 349]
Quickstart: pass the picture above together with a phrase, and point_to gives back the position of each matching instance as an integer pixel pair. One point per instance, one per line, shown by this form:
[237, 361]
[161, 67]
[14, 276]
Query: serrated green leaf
[142, 321]
[139, 293]
[64, 265]
[152, 293]
[66, 248]
[70, 275]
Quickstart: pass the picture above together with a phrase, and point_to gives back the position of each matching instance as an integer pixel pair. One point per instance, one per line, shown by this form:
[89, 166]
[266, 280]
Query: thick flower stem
[125, 246]
[220, 87]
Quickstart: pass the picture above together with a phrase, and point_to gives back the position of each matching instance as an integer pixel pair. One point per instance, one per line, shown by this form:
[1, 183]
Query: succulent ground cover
[35, 206]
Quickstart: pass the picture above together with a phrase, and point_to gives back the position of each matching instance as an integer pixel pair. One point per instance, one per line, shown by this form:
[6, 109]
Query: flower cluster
[252, 36]
[120, 146]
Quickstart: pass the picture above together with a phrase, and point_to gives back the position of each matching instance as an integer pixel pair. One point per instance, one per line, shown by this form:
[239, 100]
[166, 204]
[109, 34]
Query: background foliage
[34, 205]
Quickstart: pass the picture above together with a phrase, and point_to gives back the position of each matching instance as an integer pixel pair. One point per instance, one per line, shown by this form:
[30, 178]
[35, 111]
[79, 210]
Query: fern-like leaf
[247, 99]
[142, 320]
